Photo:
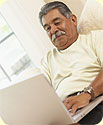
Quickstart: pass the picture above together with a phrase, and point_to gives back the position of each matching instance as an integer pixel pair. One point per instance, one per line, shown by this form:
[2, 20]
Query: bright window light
[13, 57]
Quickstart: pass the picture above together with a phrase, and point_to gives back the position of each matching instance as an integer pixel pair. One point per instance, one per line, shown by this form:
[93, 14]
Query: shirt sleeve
[98, 45]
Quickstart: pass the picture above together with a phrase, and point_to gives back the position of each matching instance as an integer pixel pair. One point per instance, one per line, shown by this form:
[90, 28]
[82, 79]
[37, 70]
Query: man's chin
[62, 47]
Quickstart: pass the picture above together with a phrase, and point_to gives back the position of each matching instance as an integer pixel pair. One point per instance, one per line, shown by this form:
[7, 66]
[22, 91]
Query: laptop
[34, 102]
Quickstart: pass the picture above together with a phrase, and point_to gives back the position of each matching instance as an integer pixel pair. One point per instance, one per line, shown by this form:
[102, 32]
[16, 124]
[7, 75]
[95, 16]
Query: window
[13, 57]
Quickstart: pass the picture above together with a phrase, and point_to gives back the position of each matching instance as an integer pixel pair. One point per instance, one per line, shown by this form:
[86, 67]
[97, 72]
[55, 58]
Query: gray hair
[63, 9]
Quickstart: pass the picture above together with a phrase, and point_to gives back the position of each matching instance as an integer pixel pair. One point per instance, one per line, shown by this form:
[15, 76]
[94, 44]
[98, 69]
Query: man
[75, 65]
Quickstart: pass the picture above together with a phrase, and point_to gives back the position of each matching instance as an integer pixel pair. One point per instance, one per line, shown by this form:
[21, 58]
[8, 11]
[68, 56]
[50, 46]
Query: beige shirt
[74, 68]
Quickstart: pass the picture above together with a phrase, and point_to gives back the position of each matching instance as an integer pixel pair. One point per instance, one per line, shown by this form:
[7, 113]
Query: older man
[75, 64]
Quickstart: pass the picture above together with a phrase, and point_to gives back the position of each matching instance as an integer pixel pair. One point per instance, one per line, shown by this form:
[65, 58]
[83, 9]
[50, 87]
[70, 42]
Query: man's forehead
[51, 16]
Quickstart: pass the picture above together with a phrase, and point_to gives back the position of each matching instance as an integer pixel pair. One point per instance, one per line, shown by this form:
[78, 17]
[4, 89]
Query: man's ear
[74, 20]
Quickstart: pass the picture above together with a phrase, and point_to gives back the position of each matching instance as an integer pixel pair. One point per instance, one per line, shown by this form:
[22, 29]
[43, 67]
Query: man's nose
[53, 29]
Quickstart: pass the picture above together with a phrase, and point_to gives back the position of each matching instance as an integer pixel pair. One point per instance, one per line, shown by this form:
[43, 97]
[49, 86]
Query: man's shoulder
[93, 34]
[97, 35]
[96, 31]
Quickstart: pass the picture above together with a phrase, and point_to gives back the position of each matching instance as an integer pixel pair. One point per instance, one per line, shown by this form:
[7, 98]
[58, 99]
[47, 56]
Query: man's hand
[77, 102]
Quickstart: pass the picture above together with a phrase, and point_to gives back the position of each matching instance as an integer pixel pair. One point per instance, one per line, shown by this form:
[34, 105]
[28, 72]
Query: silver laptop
[33, 102]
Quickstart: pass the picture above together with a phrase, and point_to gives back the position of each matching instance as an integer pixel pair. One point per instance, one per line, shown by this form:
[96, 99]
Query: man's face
[61, 30]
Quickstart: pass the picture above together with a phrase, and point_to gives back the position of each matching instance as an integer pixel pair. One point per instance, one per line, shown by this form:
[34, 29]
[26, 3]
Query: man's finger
[74, 108]
[68, 105]
[69, 99]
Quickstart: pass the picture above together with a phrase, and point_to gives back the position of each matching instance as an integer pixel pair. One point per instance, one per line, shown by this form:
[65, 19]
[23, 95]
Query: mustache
[56, 34]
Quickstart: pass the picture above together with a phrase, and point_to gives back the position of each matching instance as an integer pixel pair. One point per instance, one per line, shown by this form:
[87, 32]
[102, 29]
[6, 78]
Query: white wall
[22, 16]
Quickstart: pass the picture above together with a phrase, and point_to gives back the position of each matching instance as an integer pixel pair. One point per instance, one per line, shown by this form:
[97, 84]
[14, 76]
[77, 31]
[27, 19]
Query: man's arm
[98, 84]
[82, 100]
